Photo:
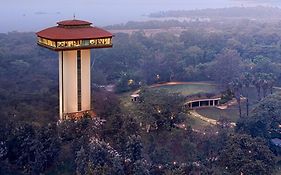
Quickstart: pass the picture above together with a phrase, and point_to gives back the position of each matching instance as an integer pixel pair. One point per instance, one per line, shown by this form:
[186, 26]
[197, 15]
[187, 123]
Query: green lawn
[232, 113]
[196, 123]
[190, 89]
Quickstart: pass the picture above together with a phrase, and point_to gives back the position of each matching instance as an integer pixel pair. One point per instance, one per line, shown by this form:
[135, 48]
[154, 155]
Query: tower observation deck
[73, 39]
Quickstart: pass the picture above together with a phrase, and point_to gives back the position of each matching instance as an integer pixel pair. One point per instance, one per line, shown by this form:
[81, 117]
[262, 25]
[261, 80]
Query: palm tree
[267, 82]
[264, 83]
[271, 82]
[247, 79]
[257, 82]
[236, 87]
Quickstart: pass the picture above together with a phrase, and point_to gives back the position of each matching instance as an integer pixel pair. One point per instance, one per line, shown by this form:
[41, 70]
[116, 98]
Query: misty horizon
[32, 15]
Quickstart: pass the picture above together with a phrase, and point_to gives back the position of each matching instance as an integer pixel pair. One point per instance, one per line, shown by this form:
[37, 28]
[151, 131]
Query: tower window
[79, 97]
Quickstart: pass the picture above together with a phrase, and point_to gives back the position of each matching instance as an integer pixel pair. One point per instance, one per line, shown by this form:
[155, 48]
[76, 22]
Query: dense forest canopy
[154, 136]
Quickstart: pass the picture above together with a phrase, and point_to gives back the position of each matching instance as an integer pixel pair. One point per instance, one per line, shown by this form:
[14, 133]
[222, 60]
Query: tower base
[79, 115]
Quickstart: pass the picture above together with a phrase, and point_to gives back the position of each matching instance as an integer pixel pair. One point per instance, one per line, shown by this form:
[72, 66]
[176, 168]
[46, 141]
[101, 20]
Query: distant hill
[185, 18]
[259, 12]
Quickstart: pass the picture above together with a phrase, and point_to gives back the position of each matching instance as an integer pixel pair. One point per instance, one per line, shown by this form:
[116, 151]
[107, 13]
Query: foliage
[247, 155]
[159, 110]
[29, 149]
[265, 119]
[226, 96]
[226, 67]
[105, 103]
[104, 159]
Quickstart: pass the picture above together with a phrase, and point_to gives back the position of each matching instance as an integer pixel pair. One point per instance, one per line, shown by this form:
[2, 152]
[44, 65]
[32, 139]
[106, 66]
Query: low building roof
[276, 141]
[135, 95]
[200, 97]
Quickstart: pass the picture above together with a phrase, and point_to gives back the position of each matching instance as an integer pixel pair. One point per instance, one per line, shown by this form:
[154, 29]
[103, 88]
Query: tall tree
[134, 148]
[160, 110]
[257, 81]
[82, 163]
[247, 80]
[265, 119]
[103, 159]
[246, 155]
[226, 67]
[236, 86]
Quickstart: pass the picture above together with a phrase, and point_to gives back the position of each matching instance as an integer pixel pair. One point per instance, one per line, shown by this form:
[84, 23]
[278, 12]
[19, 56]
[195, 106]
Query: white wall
[86, 79]
[70, 81]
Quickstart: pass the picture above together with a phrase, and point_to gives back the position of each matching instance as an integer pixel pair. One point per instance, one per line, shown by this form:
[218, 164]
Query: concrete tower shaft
[74, 82]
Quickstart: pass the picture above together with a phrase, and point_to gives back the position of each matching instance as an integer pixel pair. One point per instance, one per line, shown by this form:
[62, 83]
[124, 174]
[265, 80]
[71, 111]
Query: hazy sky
[32, 15]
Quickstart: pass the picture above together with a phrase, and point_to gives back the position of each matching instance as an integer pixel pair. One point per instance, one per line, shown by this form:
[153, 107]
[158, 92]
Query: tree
[265, 119]
[258, 83]
[134, 161]
[29, 149]
[247, 155]
[140, 167]
[134, 148]
[267, 83]
[271, 82]
[191, 38]
[3, 157]
[82, 163]
[189, 150]
[49, 137]
[105, 103]
[82, 129]
[226, 67]
[264, 82]
[236, 86]
[265, 73]
[247, 80]
[193, 56]
[103, 159]
[159, 110]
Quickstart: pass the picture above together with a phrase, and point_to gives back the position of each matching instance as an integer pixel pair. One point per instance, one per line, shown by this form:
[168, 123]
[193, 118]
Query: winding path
[195, 114]
[201, 117]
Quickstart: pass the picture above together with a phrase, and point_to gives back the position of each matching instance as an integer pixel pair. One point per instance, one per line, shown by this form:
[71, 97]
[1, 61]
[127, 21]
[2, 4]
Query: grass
[195, 123]
[190, 89]
[231, 114]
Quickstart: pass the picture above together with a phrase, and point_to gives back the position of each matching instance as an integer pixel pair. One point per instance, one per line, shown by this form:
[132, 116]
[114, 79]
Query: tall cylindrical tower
[73, 39]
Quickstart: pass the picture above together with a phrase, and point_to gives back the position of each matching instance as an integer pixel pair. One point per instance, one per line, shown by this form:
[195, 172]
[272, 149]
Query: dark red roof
[73, 22]
[73, 30]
